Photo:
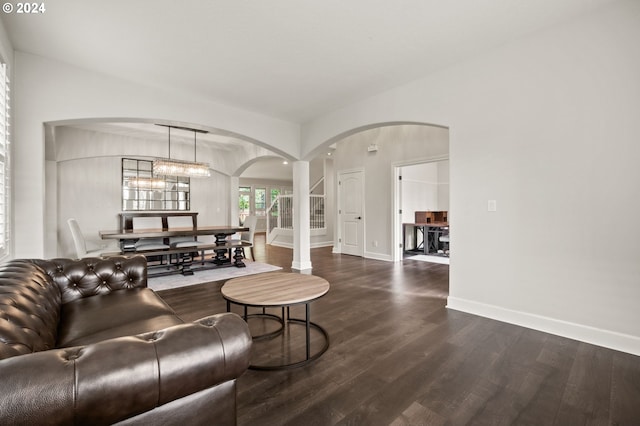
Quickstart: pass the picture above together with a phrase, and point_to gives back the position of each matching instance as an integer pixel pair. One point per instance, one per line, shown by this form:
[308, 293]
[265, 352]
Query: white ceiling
[292, 59]
[269, 168]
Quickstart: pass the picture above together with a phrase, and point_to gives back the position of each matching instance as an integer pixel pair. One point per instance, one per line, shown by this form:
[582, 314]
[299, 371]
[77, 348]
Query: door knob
[359, 217]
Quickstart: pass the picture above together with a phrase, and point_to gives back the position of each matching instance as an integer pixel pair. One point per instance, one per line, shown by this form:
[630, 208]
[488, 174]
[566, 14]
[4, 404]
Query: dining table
[221, 232]
[222, 247]
[128, 237]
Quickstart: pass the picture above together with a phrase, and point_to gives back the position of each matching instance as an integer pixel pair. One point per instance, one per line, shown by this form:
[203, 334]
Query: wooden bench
[184, 256]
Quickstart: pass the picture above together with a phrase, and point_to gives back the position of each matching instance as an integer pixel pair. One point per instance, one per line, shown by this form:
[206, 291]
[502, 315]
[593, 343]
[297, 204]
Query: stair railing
[280, 212]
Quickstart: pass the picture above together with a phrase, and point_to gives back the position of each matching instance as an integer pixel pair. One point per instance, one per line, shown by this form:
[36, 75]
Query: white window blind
[4, 161]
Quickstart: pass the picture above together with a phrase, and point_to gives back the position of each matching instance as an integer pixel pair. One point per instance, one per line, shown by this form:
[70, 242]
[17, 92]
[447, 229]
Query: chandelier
[146, 183]
[170, 167]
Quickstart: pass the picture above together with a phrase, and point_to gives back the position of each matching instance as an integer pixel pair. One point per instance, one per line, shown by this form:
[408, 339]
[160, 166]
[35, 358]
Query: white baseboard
[281, 244]
[322, 244]
[302, 267]
[596, 336]
[313, 245]
[367, 255]
[378, 256]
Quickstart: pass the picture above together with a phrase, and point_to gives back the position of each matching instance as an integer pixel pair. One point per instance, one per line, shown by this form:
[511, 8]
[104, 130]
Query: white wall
[425, 187]
[316, 173]
[48, 91]
[547, 127]
[443, 185]
[396, 145]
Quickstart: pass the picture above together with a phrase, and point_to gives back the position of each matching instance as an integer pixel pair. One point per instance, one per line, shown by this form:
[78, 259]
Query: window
[258, 200]
[5, 183]
[143, 190]
[261, 201]
[244, 202]
[275, 192]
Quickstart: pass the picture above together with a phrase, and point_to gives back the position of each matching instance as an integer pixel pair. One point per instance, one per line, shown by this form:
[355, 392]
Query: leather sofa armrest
[113, 380]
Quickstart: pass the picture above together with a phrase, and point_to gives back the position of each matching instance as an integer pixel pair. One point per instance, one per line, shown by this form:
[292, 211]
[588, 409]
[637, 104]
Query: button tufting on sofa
[153, 337]
[58, 318]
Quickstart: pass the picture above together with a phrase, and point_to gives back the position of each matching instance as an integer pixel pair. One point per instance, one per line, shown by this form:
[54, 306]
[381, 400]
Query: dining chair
[247, 236]
[182, 222]
[149, 223]
[80, 243]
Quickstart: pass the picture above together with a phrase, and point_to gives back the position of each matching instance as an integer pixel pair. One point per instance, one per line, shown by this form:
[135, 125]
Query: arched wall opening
[48, 91]
[377, 150]
[83, 171]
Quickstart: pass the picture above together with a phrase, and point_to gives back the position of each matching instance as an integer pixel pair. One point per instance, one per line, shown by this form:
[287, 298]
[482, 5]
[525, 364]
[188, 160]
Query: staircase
[280, 215]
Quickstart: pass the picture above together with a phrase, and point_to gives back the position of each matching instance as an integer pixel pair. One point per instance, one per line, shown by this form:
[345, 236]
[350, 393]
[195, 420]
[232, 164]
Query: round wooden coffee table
[279, 290]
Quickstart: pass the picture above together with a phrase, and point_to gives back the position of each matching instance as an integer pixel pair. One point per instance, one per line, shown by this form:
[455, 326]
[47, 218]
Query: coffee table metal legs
[284, 320]
[310, 357]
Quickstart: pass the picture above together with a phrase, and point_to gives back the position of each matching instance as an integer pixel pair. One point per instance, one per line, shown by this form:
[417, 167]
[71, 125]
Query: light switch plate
[492, 206]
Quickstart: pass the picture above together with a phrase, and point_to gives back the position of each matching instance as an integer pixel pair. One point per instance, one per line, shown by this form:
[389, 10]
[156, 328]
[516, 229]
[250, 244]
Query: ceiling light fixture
[146, 183]
[169, 167]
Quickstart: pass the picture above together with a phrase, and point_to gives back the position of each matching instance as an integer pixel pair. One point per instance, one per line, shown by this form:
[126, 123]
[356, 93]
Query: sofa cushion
[29, 309]
[119, 313]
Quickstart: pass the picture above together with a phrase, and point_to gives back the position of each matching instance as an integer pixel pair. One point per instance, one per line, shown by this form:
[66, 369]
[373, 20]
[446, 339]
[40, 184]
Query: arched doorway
[378, 151]
[77, 149]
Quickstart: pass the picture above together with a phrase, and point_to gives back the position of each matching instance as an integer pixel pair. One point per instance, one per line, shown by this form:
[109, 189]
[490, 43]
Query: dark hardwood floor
[399, 357]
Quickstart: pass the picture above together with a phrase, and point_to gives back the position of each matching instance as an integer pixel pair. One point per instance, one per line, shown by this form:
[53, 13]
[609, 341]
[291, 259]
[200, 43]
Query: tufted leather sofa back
[91, 276]
[29, 309]
[33, 290]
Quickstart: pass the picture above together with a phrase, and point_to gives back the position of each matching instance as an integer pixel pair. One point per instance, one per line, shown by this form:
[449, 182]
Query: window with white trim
[5, 183]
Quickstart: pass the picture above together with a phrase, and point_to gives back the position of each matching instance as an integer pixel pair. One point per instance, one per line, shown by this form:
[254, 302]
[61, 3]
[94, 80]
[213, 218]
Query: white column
[234, 213]
[301, 218]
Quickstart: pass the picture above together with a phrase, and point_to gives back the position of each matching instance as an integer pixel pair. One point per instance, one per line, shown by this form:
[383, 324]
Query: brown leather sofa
[86, 342]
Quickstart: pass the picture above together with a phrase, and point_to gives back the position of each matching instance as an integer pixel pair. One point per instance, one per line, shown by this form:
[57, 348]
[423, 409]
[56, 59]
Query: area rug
[433, 259]
[208, 275]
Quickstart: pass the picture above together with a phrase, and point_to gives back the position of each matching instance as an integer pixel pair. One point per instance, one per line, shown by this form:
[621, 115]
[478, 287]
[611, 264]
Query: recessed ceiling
[291, 59]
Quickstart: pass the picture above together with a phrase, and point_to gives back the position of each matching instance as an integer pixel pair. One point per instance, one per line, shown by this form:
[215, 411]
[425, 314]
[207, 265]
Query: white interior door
[351, 198]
